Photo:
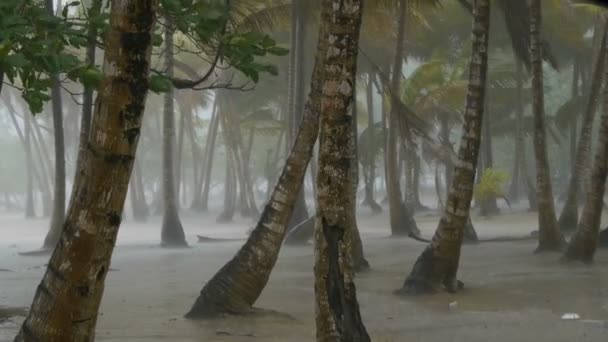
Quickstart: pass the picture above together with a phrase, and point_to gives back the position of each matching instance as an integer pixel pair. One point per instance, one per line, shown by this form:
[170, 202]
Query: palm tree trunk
[29, 199]
[584, 243]
[371, 149]
[569, 216]
[237, 285]
[87, 98]
[172, 232]
[58, 216]
[179, 167]
[401, 220]
[515, 186]
[549, 237]
[210, 151]
[488, 205]
[138, 197]
[67, 300]
[437, 266]
[337, 309]
[227, 213]
[358, 256]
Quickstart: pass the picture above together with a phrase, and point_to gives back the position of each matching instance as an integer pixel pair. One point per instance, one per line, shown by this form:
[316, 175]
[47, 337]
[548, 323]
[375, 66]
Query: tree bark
[549, 237]
[67, 300]
[172, 232]
[337, 310]
[568, 219]
[401, 218]
[584, 243]
[437, 266]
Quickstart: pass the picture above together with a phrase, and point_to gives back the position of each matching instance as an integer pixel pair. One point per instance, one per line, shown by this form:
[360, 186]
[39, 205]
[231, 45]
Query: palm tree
[66, 303]
[584, 243]
[569, 215]
[337, 319]
[172, 232]
[437, 266]
[239, 283]
[549, 237]
[400, 216]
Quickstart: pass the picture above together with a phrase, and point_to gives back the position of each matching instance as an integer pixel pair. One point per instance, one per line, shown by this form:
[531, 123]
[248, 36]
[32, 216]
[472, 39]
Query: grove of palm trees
[291, 170]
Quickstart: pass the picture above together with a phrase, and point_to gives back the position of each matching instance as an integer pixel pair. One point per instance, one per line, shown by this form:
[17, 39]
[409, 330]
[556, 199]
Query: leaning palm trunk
[584, 243]
[236, 286]
[569, 216]
[337, 309]
[172, 232]
[437, 266]
[549, 236]
[67, 299]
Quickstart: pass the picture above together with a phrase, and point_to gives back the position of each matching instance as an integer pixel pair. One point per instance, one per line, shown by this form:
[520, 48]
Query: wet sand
[510, 293]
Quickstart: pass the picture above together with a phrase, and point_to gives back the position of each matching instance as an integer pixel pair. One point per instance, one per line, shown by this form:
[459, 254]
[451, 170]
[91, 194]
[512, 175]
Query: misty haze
[292, 170]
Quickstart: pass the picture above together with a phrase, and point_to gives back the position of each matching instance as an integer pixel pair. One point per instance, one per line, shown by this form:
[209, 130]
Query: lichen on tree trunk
[437, 266]
[66, 303]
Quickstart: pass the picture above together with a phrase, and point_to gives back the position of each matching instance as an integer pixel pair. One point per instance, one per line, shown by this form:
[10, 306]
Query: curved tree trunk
[172, 232]
[401, 220]
[584, 243]
[549, 237]
[437, 266]
[568, 219]
[67, 300]
[337, 309]
[237, 285]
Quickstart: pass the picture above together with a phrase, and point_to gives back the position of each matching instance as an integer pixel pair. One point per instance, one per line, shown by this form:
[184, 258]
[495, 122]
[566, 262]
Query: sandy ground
[511, 294]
